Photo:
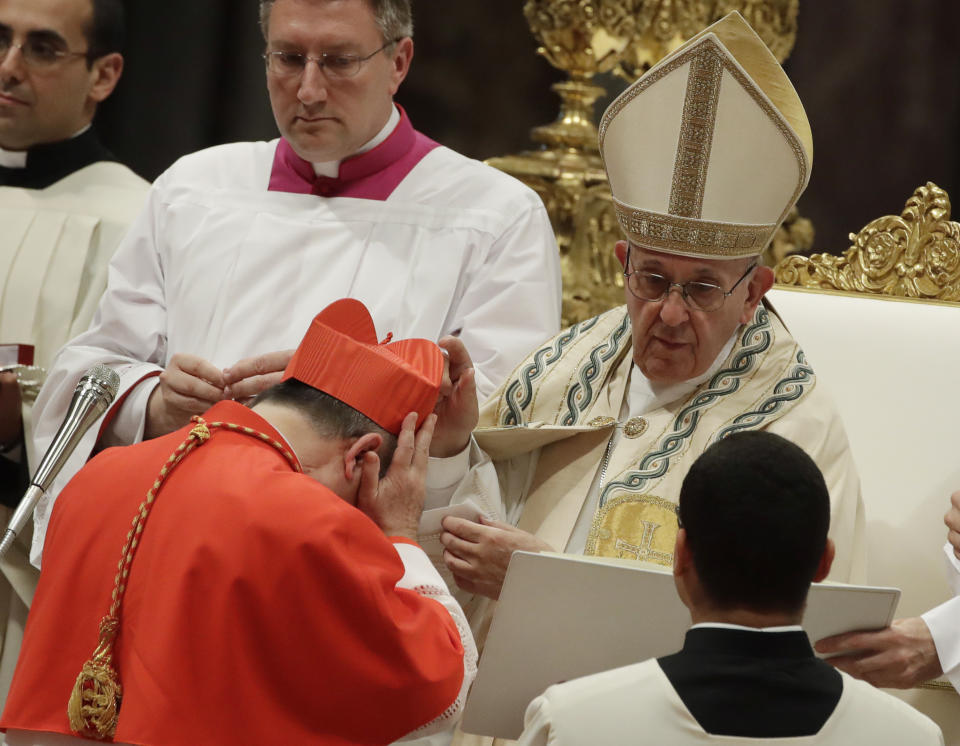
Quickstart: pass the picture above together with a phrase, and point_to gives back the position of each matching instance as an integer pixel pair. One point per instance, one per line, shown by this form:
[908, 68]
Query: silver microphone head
[92, 397]
[104, 379]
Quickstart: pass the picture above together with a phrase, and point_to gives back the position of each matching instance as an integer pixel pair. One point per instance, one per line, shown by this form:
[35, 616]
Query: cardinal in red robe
[254, 576]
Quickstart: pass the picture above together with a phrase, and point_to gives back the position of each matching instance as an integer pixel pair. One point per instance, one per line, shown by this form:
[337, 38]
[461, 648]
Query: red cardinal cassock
[259, 607]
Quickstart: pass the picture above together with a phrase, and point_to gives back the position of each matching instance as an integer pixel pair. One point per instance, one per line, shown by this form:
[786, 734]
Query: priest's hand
[900, 656]
[252, 375]
[190, 385]
[952, 519]
[395, 501]
[457, 408]
[478, 553]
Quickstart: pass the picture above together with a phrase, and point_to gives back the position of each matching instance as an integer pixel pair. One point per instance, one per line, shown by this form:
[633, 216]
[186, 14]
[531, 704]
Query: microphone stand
[91, 398]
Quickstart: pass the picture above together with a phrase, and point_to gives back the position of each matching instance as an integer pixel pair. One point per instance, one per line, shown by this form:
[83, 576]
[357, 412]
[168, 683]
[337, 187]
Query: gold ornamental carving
[625, 37]
[912, 255]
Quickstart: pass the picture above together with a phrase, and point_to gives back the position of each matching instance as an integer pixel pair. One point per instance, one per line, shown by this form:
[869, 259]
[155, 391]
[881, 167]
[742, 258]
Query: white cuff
[953, 568]
[418, 569]
[126, 428]
[944, 624]
[443, 473]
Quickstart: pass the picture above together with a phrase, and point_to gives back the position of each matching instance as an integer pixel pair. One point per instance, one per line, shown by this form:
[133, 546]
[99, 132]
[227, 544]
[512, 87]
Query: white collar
[331, 169]
[13, 158]
[18, 158]
[724, 625]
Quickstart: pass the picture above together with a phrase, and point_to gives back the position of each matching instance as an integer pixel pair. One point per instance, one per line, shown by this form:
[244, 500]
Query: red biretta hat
[340, 356]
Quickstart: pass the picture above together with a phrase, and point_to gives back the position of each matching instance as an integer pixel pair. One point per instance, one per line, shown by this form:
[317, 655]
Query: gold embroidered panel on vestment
[639, 527]
[696, 135]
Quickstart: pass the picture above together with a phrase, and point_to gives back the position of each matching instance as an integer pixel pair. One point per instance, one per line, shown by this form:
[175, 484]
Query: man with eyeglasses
[350, 201]
[584, 447]
[65, 203]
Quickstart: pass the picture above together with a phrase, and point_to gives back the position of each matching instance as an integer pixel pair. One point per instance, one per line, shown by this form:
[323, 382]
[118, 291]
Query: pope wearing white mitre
[584, 447]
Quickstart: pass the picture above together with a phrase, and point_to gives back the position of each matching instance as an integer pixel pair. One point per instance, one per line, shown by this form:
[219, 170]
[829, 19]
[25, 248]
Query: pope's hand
[252, 375]
[478, 553]
[952, 519]
[190, 385]
[457, 408]
[395, 502]
[900, 656]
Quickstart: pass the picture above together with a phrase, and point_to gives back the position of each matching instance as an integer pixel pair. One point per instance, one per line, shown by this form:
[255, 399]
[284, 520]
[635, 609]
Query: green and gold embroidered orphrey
[565, 384]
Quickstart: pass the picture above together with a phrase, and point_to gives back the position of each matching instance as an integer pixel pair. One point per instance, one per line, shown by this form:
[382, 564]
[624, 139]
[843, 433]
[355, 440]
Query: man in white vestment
[754, 512]
[584, 447]
[350, 201]
[915, 649]
[65, 203]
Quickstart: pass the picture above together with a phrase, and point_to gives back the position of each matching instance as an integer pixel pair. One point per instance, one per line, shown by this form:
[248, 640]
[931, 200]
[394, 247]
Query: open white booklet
[563, 616]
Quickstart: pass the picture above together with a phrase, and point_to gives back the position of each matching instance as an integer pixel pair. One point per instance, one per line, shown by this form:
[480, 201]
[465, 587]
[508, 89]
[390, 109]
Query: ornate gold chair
[881, 326]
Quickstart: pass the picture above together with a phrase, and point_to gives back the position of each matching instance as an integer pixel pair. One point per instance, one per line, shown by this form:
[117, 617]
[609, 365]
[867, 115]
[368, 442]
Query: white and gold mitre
[710, 149]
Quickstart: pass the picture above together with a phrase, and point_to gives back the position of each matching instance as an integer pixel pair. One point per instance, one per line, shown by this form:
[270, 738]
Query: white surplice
[217, 266]
[637, 704]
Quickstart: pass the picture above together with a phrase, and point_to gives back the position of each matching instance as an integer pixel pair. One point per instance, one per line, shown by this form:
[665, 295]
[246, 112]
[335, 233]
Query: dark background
[879, 79]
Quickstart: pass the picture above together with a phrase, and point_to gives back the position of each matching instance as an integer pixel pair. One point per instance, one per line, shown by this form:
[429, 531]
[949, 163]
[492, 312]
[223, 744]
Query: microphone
[91, 398]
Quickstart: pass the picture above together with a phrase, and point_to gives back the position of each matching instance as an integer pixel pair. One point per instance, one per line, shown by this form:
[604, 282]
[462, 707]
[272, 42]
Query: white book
[564, 616]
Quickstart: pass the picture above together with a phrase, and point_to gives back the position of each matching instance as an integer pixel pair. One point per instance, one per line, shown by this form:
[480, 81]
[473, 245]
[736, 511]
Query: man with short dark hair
[64, 205]
[271, 589]
[754, 513]
[350, 201]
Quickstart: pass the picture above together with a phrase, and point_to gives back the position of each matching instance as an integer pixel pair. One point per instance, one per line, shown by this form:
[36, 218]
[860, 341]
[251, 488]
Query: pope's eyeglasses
[699, 295]
[334, 64]
[38, 52]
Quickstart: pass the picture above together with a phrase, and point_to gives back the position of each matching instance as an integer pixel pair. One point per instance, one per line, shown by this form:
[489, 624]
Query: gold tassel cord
[94, 705]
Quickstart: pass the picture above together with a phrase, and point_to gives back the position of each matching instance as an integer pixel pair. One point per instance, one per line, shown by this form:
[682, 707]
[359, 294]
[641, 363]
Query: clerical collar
[725, 625]
[45, 164]
[644, 395]
[13, 158]
[331, 169]
[372, 174]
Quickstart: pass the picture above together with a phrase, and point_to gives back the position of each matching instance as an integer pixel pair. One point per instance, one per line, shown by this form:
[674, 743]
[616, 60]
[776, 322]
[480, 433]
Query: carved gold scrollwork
[913, 255]
[583, 37]
[661, 27]
[592, 276]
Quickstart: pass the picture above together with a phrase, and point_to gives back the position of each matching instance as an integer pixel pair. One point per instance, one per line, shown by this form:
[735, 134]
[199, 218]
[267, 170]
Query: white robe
[55, 246]
[219, 267]
[637, 705]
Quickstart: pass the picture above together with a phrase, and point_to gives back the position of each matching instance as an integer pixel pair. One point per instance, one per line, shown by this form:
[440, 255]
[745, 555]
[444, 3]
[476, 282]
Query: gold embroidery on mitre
[707, 238]
[638, 527]
[696, 134]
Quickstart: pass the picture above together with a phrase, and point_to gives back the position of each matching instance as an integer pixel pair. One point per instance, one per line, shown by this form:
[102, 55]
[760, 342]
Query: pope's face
[323, 117]
[47, 104]
[673, 342]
